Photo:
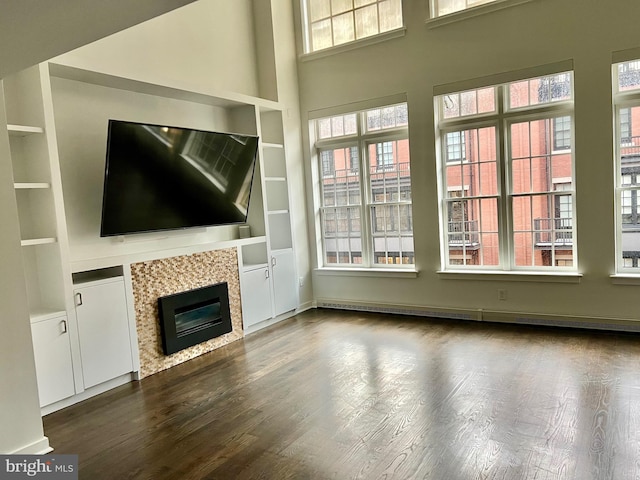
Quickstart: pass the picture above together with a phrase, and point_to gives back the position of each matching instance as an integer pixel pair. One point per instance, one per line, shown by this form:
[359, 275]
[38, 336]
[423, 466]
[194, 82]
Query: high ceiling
[32, 31]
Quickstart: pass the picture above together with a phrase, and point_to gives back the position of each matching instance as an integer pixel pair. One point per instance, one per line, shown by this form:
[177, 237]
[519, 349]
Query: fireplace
[192, 317]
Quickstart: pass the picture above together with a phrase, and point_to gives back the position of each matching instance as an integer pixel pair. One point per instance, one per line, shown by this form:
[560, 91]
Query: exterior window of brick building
[365, 210]
[507, 200]
[627, 165]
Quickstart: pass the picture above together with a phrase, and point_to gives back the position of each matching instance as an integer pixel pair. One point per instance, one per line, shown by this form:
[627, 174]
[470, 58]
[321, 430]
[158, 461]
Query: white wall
[207, 44]
[536, 33]
[20, 424]
[32, 32]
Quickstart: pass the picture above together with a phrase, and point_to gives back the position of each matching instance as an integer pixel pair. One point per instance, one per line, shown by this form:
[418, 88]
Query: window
[506, 163]
[328, 163]
[384, 155]
[329, 23]
[625, 125]
[627, 165]
[365, 210]
[562, 133]
[445, 7]
[454, 142]
[354, 161]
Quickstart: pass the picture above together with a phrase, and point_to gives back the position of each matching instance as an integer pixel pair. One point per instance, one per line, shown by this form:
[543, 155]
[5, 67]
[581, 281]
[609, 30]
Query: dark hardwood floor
[345, 395]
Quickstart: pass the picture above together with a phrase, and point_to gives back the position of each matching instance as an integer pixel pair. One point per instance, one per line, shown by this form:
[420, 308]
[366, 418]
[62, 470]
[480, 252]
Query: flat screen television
[168, 178]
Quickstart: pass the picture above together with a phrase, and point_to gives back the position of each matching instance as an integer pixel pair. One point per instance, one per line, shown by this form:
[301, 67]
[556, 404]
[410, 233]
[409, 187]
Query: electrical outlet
[301, 281]
[502, 294]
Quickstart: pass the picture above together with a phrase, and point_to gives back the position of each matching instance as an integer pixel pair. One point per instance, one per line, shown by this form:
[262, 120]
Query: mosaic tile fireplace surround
[158, 278]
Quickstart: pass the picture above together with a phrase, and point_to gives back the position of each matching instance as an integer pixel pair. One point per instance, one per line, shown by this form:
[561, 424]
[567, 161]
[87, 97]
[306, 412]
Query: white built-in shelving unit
[38, 190]
[55, 273]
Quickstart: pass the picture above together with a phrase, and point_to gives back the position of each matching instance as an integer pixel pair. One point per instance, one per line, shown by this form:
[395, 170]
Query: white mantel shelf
[83, 265]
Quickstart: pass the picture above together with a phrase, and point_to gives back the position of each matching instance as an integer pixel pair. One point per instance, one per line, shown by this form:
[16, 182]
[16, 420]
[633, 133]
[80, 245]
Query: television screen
[165, 178]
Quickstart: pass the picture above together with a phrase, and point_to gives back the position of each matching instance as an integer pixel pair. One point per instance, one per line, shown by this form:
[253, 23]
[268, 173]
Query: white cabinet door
[285, 292]
[103, 328]
[52, 351]
[255, 288]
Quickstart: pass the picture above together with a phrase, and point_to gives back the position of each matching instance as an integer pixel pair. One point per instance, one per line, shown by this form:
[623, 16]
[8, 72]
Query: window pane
[386, 118]
[340, 178]
[339, 6]
[390, 15]
[629, 75]
[319, 9]
[449, 6]
[392, 227]
[534, 168]
[389, 168]
[474, 152]
[541, 90]
[341, 234]
[343, 28]
[471, 223]
[468, 103]
[338, 126]
[350, 125]
[366, 21]
[543, 230]
[324, 128]
[321, 35]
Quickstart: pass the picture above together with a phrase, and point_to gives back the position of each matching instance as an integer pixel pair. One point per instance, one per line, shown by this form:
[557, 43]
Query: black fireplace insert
[195, 316]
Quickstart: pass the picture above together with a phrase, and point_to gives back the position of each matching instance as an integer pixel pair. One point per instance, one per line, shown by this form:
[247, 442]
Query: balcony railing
[553, 231]
[463, 233]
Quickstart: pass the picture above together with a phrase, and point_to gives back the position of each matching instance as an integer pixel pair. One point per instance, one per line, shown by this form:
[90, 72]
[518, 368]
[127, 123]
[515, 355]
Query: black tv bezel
[111, 121]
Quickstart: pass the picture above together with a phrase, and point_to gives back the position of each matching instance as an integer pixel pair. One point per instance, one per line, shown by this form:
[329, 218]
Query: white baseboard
[39, 447]
[270, 321]
[305, 306]
[482, 315]
[88, 393]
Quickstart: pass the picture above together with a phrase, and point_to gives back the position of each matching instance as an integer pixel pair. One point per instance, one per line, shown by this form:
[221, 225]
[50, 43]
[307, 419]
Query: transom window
[445, 7]
[627, 165]
[506, 165]
[365, 209]
[335, 22]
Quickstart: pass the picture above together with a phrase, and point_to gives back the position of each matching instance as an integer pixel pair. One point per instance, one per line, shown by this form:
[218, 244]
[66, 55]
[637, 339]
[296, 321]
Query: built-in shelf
[272, 145]
[86, 264]
[275, 179]
[37, 241]
[31, 185]
[23, 130]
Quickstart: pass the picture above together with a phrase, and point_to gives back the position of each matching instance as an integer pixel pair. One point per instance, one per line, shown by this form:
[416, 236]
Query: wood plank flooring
[348, 395]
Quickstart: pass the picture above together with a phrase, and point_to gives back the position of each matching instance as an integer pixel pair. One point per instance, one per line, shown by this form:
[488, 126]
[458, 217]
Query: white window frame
[467, 11]
[623, 99]
[502, 119]
[362, 140]
[307, 27]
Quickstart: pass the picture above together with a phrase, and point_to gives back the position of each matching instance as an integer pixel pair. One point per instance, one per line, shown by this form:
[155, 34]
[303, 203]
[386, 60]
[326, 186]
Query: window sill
[538, 277]
[625, 279]
[363, 42]
[472, 12]
[367, 272]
